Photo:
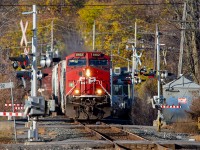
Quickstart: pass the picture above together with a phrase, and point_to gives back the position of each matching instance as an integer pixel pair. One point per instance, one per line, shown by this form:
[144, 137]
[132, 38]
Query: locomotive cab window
[96, 62]
[76, 62]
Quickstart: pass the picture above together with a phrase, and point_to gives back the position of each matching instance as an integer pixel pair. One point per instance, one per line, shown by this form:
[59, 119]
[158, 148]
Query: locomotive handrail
[72, 89]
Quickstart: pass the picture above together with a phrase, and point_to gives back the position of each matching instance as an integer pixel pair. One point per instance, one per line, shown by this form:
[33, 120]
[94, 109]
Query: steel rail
[102, 136]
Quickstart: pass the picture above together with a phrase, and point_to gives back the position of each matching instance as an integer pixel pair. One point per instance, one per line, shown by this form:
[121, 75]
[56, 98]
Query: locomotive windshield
[76, 62]
[120, 89]
[96, 62]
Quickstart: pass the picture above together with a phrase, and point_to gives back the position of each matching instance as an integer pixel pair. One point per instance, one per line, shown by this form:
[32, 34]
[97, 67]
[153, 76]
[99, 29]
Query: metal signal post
[159, 117]
[33, 132]
[34, 52]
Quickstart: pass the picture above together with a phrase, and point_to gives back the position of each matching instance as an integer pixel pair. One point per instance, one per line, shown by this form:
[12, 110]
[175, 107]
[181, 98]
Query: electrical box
[35, 106]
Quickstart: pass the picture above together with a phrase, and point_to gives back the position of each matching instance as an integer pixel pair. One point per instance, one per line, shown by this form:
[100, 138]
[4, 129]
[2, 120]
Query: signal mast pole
[33, 127]
[34, 52]
[158, 76]
[134, 62]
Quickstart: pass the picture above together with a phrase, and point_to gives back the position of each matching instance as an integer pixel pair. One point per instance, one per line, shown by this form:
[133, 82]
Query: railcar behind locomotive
[81, 85]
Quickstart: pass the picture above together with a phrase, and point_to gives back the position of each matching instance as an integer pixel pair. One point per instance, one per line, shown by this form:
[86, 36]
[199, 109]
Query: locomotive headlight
[99, 91]
[77, 92]
[88, 73]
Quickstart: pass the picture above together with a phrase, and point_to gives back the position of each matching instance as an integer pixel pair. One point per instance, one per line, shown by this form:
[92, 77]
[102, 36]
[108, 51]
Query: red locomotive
[81, 85]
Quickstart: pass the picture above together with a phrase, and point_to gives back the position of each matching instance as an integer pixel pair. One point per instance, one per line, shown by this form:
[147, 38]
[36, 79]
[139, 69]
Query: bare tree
[195, 109]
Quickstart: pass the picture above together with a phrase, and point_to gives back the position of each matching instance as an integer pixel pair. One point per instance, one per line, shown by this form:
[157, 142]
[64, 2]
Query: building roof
[181, 82]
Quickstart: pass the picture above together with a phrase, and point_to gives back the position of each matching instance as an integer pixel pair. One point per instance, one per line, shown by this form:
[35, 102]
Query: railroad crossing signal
[137, 56]
[164, 55]
[24, 39]
[23, 61]
[26, 50]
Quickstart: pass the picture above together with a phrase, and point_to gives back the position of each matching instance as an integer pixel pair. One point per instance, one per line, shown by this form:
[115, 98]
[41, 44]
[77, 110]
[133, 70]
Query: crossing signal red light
[24, 74]
[22, 61]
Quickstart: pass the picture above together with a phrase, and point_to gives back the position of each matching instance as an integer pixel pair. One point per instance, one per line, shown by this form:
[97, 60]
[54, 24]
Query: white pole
[135, 44]
[34, 52]
[158, 74]
[111, 76]
[134, 63]
[93, 41]
[129, 88]
[13, 112]
[52, 36]
[34, 67]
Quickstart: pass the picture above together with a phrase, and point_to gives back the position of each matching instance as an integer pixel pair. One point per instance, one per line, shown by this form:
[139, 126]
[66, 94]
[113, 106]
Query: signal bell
[45, 61]
[48, 62]
[164, 74]
[42, 61]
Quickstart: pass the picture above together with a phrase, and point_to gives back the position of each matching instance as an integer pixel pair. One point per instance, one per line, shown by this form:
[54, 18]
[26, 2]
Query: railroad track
[121, 139]
[70, 134]
[112, 134]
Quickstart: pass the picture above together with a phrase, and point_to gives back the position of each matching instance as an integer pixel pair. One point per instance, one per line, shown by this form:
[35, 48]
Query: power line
[93, 5]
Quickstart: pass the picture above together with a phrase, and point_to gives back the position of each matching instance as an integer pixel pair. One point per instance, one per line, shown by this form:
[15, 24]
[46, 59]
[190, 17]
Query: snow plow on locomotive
[81, 85]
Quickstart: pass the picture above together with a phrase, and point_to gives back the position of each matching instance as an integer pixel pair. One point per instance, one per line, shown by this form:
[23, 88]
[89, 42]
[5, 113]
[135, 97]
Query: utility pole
[155, 54]
[135, 44]
[93, 39]
[134, 62]
[52, 36]
[183, 26]
[158, 76]
[111, 74]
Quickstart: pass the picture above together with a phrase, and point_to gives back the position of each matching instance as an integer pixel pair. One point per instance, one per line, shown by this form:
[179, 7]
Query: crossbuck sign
[23, 40]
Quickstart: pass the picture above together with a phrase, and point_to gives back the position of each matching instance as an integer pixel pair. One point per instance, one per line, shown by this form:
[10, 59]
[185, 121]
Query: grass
[196, 137]
[6, 132]
[189, 127]
[41, 130]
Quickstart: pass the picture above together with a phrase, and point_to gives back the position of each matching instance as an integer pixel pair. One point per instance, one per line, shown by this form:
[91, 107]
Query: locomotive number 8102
[81, 85]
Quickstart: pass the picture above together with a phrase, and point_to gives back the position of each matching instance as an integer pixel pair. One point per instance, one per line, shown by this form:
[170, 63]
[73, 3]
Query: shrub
[185, 127]
[142, 112]
[194, 109]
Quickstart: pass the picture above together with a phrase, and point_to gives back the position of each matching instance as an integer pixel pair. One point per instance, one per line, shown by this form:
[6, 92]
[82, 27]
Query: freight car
[81, 85]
